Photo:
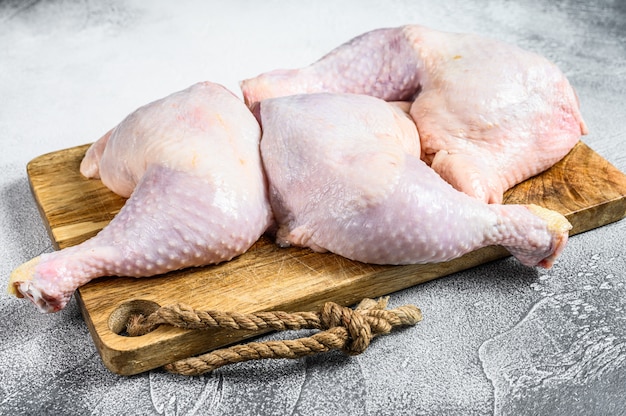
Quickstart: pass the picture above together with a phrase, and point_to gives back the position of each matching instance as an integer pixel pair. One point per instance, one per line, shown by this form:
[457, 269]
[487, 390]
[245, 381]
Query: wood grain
[584, 187]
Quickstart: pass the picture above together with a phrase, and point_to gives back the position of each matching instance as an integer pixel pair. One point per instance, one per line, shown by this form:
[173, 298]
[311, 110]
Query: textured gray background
[498, 339]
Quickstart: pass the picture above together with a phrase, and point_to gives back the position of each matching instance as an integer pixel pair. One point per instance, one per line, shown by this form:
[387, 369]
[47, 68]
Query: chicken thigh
[190, 164]
[343, 176]
[489, 114]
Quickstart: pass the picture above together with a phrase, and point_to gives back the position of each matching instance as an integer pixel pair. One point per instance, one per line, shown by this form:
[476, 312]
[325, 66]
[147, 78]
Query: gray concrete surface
[498, 339]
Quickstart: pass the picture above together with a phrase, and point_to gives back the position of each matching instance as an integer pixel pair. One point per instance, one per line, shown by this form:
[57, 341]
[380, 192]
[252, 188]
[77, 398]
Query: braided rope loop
[341, 328]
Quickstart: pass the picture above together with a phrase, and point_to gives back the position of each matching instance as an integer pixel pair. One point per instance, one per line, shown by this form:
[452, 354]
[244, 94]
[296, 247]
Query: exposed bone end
[558, 226]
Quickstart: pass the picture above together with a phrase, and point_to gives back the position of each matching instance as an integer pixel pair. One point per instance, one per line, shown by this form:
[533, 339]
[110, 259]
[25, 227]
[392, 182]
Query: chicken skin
[343, 177]
[190, 165]
[489, 114]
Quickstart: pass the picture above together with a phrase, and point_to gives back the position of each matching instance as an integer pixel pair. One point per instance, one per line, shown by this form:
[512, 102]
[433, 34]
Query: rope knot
[358, 328]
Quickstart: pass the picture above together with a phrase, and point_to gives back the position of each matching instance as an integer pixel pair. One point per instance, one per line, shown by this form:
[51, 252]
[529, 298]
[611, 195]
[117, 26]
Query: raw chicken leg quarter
[345, 177]
[191, 165]
[489, 114]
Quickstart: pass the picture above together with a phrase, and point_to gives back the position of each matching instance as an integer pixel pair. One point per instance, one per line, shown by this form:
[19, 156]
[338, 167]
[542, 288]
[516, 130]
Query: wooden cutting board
[584, 187]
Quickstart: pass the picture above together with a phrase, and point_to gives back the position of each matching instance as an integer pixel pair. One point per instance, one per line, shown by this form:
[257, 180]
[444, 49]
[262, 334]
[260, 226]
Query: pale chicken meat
[489, 114]
[190, 164]
[344, 176]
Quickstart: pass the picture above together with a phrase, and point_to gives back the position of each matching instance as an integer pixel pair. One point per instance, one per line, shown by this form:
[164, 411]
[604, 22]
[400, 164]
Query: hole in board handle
[120, 316]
